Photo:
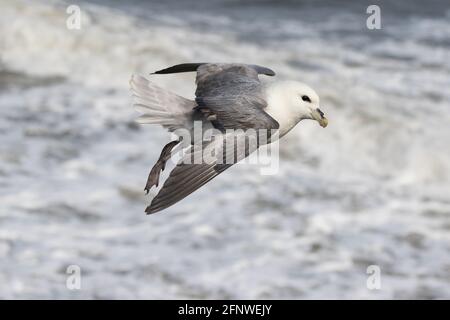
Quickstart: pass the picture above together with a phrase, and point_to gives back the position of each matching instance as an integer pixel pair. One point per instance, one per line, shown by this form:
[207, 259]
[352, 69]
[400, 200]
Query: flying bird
[228, 96]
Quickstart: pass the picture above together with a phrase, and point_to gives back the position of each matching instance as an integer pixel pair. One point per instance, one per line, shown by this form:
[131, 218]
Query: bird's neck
[278, 108]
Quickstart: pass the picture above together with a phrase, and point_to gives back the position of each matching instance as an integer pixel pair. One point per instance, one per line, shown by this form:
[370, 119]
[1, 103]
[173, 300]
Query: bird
[228, 96]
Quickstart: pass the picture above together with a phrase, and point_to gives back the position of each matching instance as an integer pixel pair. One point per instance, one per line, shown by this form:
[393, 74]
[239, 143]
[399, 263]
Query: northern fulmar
[229, 96]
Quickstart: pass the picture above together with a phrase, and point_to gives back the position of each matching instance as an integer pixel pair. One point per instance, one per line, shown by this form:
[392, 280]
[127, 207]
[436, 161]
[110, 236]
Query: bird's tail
[160, 106]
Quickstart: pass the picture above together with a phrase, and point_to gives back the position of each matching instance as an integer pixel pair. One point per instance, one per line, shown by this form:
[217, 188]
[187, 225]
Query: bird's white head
[288, 102]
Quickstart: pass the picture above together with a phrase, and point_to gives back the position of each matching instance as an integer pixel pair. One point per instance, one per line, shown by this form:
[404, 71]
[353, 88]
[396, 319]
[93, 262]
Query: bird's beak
[320, 117]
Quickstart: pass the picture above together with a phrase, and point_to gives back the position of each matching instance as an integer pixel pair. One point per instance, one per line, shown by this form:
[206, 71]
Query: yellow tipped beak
[323, 122]
[320, 117]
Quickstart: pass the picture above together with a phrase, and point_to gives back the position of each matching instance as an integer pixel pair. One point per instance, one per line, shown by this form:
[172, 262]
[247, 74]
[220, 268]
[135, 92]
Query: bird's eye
[306, 98]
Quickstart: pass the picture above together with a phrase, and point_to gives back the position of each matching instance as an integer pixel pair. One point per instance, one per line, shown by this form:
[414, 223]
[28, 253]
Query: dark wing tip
[264, 70]
[184, 67]
[150, 210]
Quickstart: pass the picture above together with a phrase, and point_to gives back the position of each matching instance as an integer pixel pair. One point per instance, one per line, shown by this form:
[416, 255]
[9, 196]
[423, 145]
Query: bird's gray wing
[183, 180]
[189, 175]
[191, 67]
[233, 96]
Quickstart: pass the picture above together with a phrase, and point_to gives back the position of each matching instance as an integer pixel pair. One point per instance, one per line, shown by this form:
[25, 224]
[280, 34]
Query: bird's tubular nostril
[321, 113]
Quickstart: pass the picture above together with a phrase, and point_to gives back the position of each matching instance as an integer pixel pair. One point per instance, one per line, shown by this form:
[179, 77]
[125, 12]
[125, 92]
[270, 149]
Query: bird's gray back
[234, 94]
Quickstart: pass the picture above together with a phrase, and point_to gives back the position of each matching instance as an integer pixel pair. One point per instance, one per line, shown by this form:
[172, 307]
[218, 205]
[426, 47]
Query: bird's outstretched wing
[185, 178]
[200, 165]
[232, 97]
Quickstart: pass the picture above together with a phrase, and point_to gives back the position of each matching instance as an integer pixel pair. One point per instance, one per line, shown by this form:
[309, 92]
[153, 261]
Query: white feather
[160, 106]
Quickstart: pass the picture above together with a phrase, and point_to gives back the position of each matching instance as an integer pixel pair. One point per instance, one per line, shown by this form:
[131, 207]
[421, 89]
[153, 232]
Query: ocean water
[373, 188]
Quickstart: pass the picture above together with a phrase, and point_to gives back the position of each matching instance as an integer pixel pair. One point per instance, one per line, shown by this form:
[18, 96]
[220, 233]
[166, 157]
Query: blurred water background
[372, 188]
